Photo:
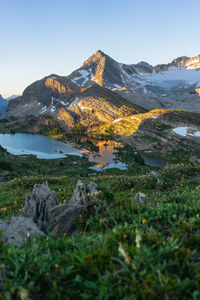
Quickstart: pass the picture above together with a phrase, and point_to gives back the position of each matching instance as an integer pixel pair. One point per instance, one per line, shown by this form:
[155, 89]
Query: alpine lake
[101, 155]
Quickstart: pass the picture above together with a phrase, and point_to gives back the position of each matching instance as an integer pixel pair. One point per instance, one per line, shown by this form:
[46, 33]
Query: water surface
[36, 144]
[49, 148]
[153, 162]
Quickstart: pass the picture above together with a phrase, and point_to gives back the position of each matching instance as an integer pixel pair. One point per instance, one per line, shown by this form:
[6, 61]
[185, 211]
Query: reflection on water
[116, 165]
[48, 148]
[105, 158]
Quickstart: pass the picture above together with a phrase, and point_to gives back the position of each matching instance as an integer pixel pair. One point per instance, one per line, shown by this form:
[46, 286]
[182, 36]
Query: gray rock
[93, 192]
[63, 219]
[139, 198]
[38, 205]
[156, 175]
[83, 195]
[3, 226]
[18, 230]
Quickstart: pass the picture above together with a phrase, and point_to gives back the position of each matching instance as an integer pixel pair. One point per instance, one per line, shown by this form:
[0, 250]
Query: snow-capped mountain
[104, 90]
[173, 85]
[3, 104]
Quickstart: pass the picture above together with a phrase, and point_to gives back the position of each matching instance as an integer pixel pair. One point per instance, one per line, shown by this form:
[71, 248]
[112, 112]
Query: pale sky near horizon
[41, 37]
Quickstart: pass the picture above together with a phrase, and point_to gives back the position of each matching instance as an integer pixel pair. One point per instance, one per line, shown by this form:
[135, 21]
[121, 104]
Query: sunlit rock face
[43, 96]
[197, 91]
[98, 105]
[61, 98]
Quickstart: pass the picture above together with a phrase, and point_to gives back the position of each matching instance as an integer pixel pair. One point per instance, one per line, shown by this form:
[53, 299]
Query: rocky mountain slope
[104, 91]
[3, 104]
[61, 98]
[174, 85]
[12, 97]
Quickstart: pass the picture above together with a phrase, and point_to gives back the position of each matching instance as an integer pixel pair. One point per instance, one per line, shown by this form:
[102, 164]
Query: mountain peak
[180, 61]
[99, 52]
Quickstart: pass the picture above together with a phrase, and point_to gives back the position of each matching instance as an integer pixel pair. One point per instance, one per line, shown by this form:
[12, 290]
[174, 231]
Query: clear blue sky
[40, 37]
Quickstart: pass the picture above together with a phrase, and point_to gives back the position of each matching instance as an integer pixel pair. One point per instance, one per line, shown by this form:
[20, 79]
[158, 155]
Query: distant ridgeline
[3, 104]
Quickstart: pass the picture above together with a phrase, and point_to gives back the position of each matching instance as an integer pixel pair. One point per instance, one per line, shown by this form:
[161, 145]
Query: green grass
[122, 250]
[104, 260]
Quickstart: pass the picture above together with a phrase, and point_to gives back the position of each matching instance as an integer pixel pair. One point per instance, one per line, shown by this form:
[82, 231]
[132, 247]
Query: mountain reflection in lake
[105, 157]
[48, 148]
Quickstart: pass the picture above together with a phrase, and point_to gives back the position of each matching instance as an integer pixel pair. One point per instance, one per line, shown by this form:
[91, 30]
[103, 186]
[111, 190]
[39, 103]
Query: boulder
[42, 214]
[84, 195]
[63, 219]
[3, 226]
[39, 204]
[18, 230]
[156, 175]
[139, 198]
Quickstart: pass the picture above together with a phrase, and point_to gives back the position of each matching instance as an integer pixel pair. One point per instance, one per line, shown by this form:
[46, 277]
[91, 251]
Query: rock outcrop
[18, 230]
[38, 205]
[139, 198]
[42, 214]
[84, 195]
[63, 219]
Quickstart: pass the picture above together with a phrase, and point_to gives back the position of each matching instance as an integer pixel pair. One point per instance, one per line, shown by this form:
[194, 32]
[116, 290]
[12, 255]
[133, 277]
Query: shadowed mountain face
[3, 104]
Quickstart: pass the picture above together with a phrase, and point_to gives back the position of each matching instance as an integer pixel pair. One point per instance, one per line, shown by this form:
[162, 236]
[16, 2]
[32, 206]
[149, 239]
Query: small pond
[154, 162]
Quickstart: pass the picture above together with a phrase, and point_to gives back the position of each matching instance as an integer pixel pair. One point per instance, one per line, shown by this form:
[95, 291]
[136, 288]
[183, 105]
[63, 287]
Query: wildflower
[23, 294]
[15, 203]
[56, 266]
[197, 187]
[126, 257]
[144, 221]
[138, 238]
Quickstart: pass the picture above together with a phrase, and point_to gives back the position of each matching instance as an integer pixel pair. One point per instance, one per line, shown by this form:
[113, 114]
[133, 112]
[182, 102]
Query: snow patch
[173, 78]
[183, 131]
[117, 86]
[63, 103]
[76, 99]
[84, 76]
[52, 106]
[84, 107]
[43, 109]
[116, 120]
